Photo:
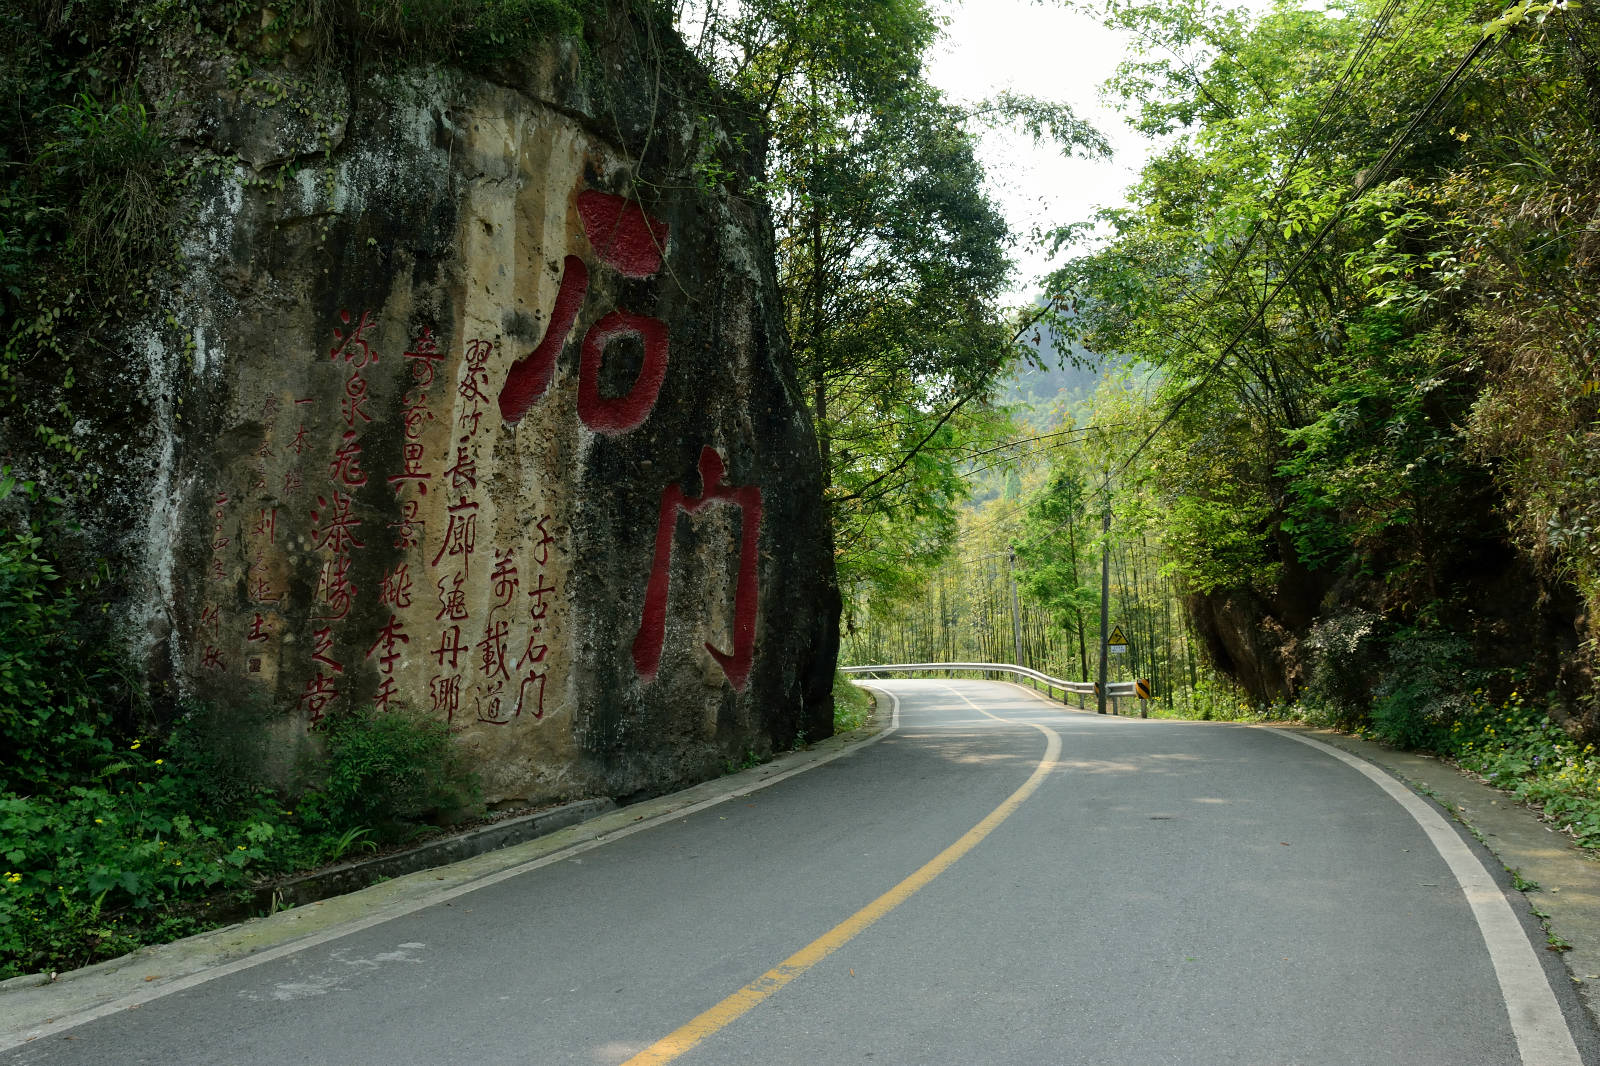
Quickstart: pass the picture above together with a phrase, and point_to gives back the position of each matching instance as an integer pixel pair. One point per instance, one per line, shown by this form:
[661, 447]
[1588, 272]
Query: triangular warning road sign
[1116, 636]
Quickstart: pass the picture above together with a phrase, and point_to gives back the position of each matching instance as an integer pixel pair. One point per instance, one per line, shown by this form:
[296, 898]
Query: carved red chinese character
[396, 590]
[267, 524]
[259, 633]
[491, 703]
[452, 600]
[346, 465]
[449, 644]
[535, 680]
[464, 475]
[386, 692]
[530, 376]
[408, 531]
[622, 235]
[411, 453]
[619, 414]
[334, 526]
[335, 588]
[353, 347]
[492, 649]
[391, 635]
[318, 693]
[461, 535]
[476, 372]
[353, 404]
[261, 591]
[537, 594]
[631, 242]
[536, 650]
[424, 353]
[322, 644]
[652, 626]
[541, 547]
[504, 578]
[445, 690]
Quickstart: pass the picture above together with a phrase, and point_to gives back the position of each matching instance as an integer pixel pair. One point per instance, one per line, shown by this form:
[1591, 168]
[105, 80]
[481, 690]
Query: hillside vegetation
[1355, 470]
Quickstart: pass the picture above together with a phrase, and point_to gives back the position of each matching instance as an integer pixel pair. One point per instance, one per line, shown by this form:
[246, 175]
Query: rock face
[473, 401]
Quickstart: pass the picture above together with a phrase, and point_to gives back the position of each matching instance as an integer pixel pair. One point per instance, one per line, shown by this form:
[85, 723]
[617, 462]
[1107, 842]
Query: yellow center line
[747, 998]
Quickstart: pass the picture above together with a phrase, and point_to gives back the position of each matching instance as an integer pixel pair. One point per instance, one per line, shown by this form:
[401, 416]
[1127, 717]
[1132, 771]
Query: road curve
[997, 881]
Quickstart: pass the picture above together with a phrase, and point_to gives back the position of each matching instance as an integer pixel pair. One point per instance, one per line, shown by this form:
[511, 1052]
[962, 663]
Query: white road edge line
[401, 909]
[1543, 1038]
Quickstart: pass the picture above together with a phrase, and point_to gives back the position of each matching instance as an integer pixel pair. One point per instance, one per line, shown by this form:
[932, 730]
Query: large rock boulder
[472, 400]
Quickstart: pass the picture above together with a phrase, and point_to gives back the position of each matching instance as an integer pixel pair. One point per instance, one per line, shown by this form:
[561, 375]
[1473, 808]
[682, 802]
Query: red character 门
[652, 626]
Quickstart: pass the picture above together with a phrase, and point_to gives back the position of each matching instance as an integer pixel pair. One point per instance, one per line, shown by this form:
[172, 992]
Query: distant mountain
[1074, 371]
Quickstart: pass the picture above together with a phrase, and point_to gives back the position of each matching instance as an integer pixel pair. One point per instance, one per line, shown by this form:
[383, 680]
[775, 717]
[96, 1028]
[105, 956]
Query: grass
[1515, 747]
[852, 704]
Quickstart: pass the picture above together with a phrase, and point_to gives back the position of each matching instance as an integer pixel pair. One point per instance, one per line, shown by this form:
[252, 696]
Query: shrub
[1423, 688]
[56, 677]
[389, 769]
[1346, 650]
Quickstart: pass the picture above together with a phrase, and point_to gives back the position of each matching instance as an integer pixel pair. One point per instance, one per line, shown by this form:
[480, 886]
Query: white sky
[1045, 51]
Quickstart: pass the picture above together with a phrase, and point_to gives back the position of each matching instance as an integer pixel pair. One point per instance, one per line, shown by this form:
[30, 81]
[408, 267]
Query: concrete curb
[440, 851]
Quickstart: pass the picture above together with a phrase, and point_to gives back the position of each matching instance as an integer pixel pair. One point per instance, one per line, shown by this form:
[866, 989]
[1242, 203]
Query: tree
[892, 260]
[1362, 267]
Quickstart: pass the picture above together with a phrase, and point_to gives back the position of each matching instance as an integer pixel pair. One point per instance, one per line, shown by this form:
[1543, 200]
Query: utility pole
[1105, 599]
[1016, 616]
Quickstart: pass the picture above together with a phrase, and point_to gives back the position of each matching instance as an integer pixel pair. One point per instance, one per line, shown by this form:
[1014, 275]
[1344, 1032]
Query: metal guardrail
[1114, 690]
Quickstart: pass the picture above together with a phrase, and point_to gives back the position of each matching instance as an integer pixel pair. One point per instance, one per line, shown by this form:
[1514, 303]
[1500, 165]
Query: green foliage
[891, 259]
[1345, 650]
[57, 680]
[453, 30]
[1515, 746]
[108, 841]
[390, 769]
[120, 169]
[135, 849]
[95, 869]
[1431, 332]
[852, 705]
[1423, 689]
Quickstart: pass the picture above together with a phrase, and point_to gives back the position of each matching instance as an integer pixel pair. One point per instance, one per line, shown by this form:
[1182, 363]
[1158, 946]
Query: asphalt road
[996, 881]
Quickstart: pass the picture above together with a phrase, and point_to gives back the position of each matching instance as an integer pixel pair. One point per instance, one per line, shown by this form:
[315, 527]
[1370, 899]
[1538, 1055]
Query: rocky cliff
[470, 399]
